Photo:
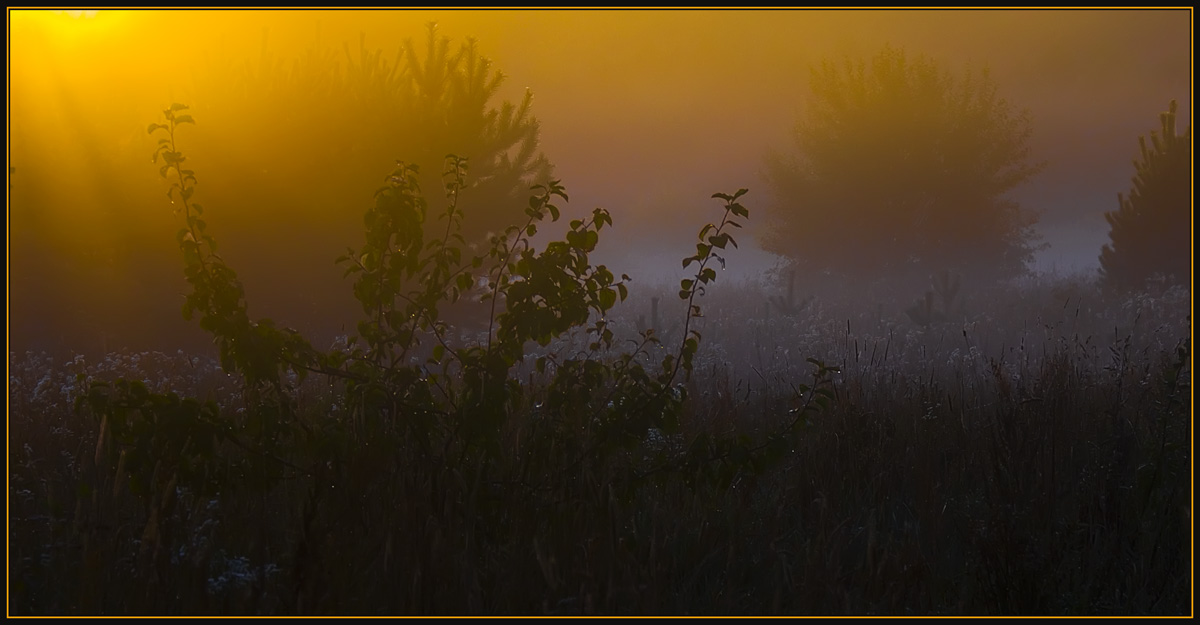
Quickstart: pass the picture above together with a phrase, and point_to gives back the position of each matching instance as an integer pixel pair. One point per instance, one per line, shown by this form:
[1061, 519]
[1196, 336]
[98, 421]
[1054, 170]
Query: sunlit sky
[646, 113]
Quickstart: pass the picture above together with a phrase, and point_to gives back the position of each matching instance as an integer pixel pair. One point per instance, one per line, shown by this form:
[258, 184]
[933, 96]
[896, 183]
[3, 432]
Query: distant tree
[445, 107]
[336, 124]
[1150, 232]
[901, 168]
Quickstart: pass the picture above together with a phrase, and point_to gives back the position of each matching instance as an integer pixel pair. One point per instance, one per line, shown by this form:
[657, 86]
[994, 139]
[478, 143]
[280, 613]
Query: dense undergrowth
[569, 460]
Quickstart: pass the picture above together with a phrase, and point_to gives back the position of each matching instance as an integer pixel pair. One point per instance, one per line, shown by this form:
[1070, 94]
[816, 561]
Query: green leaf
[608, 298]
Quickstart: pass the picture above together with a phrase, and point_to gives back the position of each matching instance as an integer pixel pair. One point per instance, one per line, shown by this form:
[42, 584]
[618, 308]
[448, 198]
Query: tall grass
[1033, 458]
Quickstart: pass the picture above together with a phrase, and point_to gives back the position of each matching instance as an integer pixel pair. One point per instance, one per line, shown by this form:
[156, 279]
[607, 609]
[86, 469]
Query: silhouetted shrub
[1150, 232]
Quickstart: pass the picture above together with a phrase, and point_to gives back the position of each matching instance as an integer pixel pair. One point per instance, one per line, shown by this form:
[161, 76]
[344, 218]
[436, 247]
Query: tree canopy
[1150, 232]
[298, 147]
[902, 168]
[340, 121]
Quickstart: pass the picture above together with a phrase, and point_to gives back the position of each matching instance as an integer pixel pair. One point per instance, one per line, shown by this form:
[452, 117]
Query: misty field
[415, 379]
[1029, 458]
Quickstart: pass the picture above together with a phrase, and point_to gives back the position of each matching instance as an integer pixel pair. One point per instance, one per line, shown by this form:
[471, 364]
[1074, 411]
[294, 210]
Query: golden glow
[643, 112]
[76, 13]
[64, 33]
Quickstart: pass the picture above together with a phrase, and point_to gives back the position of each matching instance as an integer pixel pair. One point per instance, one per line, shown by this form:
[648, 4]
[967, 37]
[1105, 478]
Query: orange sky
[672, 103]
[646, 113]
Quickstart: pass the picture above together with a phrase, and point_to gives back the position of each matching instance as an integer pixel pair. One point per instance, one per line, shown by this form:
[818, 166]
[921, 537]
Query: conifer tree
[298, 146]
[1150, 231]
[334, 119]
[909, 166]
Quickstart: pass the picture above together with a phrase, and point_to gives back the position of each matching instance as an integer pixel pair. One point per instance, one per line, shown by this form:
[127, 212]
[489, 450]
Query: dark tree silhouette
[298, 148]
[336, 124]
[902, 168]
[1151, 232]
[445, 107]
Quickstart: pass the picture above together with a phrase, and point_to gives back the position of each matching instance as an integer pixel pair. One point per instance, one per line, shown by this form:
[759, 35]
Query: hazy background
[645, 113]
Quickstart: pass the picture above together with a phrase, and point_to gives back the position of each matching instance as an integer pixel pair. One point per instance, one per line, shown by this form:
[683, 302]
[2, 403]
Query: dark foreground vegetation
[1017, 450]
[1060, 486]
